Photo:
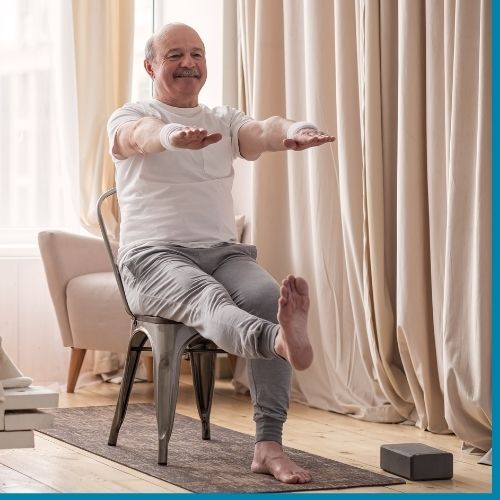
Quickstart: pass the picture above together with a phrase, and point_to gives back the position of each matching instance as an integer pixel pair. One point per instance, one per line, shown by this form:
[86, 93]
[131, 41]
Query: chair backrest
[105, 237]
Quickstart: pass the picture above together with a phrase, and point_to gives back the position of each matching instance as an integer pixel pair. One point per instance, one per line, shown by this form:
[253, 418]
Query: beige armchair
[85, 295]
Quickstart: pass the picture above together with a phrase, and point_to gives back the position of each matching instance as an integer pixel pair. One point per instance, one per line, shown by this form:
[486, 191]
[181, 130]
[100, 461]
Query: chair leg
[137, 340]
[75, 365]
[203, 368]
[167, 343]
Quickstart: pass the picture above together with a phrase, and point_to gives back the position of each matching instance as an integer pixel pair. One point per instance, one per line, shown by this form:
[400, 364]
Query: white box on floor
[21, 420]
[28, 398]
[17, 439]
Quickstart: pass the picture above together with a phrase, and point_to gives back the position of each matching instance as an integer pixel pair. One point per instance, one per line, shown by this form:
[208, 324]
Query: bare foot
[270, 459]
[292, 342]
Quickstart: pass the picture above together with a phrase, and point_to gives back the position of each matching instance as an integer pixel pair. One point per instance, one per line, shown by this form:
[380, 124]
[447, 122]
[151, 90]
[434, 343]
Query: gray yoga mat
[219, 465]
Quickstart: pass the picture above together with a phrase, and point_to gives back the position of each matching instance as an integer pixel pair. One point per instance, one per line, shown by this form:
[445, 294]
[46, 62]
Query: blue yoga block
[416, 461]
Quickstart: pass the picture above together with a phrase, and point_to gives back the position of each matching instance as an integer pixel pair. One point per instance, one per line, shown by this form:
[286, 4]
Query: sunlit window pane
[33, 190]
[143, 19]
[206, 17]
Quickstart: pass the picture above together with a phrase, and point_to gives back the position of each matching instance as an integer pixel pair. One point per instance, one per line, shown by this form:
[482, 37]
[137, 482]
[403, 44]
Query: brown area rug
[219, 465]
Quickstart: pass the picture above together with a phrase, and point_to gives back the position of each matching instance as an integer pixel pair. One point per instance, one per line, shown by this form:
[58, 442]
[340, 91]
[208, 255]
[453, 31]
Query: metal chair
[169, 340]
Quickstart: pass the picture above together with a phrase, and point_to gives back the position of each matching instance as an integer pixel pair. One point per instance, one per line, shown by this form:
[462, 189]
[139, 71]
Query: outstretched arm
[150, 135]
[278, 134]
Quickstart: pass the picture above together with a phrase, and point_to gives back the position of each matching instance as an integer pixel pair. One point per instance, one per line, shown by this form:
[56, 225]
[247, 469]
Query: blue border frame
[495, 302]
[495, 188]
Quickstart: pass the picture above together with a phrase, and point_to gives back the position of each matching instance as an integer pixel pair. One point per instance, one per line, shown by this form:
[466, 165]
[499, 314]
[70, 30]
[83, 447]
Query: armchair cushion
[67, 256]
[96, 314]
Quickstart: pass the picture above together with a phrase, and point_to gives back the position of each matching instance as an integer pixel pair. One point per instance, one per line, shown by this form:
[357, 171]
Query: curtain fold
[379, 119]
[323, 233]
[101, 78]
[103, 42]
[414, 325]
[391, 225]
[264, 56]
[466, 288]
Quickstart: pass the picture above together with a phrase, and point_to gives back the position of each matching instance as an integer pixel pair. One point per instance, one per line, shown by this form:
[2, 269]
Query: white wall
[30, 333]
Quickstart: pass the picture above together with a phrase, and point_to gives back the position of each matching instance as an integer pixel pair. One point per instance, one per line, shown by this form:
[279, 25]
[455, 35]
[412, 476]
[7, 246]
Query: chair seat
[96, 314]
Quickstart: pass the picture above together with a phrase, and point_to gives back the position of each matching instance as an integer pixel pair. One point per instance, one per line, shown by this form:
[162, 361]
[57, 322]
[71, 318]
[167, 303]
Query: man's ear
[149, 69]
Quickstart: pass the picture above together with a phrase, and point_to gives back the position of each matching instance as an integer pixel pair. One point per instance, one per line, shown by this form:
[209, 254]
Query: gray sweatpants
[229, 299]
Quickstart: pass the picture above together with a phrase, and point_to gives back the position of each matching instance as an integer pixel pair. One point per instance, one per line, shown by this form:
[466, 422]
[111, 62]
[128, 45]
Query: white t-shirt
[178, 197]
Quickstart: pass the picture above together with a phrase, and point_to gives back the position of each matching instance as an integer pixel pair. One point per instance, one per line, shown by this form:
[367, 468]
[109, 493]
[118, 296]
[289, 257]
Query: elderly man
[178, 254]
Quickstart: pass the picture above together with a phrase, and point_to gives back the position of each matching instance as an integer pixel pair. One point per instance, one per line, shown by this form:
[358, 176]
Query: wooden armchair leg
[232, 361]
[75, 365]
[148, 365]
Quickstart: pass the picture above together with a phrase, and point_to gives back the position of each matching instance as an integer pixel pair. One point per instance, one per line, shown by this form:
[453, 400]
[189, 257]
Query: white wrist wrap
[165, 136]
[295, 127]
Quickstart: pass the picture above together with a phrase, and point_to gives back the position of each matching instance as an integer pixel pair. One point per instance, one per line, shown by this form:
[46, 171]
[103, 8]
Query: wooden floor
[53, 466]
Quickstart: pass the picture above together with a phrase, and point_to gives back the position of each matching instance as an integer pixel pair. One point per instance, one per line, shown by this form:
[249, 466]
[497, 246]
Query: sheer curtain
[103, 45]
[95, 54]
[103, 41]
[391, 225]
[95, 58]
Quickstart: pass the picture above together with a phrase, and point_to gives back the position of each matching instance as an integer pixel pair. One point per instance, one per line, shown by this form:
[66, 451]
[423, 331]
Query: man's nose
[187, 61]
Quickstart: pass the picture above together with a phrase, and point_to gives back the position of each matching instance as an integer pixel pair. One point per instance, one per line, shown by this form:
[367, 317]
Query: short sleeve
[238, 118]
[127, 113]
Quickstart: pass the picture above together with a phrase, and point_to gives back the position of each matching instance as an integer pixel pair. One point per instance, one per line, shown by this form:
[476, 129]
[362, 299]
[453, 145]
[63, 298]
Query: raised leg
[137, 340]
[75, 365]
[168, 343]
[203, 368]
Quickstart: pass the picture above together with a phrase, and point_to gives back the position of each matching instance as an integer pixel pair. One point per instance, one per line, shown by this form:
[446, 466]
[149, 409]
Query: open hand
[193, 138]
[307, 138]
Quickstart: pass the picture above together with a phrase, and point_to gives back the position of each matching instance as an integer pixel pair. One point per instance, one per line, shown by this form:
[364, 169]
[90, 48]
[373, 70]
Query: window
[38, 188]
[143, 28]
[33, 186]
[206, 17]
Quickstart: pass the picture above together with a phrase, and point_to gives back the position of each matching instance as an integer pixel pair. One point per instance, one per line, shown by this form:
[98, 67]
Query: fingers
[193, 138]
[187, 136]
[307, 139]
[212, 138]
[191, 132]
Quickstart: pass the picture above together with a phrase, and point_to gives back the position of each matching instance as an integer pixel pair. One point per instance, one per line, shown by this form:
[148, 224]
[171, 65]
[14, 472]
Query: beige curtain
[103, 33]
[103, 38]
[391, 225]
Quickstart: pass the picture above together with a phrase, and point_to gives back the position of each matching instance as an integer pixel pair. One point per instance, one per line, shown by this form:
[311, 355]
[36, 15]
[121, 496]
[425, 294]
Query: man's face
[179, 67]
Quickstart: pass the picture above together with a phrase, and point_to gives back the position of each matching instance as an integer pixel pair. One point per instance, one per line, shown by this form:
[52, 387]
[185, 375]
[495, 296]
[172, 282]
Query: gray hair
[149, 50]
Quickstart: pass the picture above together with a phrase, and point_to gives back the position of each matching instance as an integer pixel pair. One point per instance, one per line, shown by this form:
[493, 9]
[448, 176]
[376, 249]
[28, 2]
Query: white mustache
[183, 73]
